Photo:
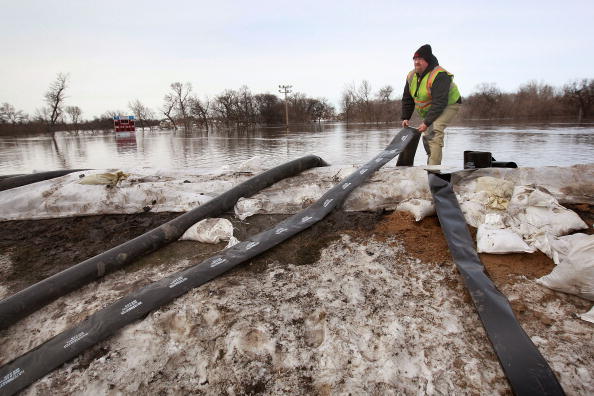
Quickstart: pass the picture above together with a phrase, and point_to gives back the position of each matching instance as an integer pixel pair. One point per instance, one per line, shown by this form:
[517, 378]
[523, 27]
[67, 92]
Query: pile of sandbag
[522, 219]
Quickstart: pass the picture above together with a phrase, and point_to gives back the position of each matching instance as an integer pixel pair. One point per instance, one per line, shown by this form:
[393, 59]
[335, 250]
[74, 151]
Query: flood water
[535, 145]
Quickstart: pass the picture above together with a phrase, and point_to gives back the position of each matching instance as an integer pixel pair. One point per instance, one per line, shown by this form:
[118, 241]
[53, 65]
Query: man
[430, 90]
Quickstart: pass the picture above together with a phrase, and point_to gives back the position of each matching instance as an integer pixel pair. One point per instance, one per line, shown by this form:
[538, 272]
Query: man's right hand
[404, 123]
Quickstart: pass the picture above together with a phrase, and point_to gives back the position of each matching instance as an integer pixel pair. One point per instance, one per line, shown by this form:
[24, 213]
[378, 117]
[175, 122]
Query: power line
[286, 89]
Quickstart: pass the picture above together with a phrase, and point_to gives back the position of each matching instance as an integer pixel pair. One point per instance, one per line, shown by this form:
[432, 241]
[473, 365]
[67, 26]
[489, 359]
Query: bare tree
[484, 102]
[54, 101]
[269, 108]
[226, 107]
[8, 114]
[140, 111]
[364, 97]
[181, 95]
[74, 112]
[580, 94]
[320, 109]
[348, 102]
[199, 110]
[168, 109]
[385, 93]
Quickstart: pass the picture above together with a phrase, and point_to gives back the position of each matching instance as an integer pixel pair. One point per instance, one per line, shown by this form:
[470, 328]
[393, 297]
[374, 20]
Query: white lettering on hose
[306, 218]
[404, 137]
[362, 171]
[130, 306]
[217, 261]
[8, 378]
[327, 202]
[392, 152]
[345, 185]
[74, 339]
[280, 230]
[251, 245]
[177, 281]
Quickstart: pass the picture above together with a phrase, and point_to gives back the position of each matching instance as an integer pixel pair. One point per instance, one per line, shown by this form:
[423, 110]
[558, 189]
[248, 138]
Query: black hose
[24, 302]
[14, 181]
[2, 177]
[526, 369]
[41, 360]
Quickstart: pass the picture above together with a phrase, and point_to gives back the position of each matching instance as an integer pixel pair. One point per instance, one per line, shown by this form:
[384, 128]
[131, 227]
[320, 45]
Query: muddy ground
[32, 250]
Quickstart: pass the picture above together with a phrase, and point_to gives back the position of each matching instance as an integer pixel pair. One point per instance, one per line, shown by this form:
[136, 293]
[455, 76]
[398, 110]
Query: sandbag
[419, 208]
[500, 241]
[575, 272]
[493, 237]
[246, 207]
[535, 212]
[110, 179]
[209, 231]
[499, 191]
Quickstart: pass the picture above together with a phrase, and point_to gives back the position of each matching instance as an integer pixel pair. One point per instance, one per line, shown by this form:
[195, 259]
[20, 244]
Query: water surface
[531, 145]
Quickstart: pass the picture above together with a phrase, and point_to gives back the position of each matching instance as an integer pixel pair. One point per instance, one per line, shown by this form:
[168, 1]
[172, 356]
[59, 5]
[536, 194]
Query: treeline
[361, 104]
[239, 108]
[575, 100]
[540, 101]
[182, 108]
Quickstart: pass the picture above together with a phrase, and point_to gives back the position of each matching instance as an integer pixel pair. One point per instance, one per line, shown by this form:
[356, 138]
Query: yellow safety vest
[422, 96]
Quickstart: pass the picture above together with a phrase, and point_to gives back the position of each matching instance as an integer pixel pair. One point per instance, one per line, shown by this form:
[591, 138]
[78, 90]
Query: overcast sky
[118, 51]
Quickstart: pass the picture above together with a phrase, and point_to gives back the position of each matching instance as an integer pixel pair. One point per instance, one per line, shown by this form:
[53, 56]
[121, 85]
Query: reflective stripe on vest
[421, 90]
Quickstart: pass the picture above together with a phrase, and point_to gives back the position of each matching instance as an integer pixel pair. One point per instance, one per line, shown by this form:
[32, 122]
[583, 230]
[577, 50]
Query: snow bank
[183, 190]
[381, 322]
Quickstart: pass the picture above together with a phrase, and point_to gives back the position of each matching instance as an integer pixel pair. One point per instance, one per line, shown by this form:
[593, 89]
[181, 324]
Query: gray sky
[118, 51]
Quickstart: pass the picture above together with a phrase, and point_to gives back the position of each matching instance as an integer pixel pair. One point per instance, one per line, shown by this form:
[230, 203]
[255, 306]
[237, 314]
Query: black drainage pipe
[526, 369]
[2, 177]
[24, 302]
[22, 180]
[40, 361]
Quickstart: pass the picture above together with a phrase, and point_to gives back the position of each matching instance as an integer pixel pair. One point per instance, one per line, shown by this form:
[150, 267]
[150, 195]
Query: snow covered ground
[366, 317]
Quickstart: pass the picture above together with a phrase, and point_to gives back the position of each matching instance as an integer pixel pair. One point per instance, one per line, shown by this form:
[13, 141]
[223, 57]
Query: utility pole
[286, 89]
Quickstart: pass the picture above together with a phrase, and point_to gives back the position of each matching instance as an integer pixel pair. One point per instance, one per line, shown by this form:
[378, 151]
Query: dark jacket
[439, 95]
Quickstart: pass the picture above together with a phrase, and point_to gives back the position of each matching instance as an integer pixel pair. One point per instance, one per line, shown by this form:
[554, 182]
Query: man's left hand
[422, 128]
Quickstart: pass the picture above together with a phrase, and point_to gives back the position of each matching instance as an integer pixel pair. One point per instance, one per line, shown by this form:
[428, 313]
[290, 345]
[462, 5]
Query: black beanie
[425, 53]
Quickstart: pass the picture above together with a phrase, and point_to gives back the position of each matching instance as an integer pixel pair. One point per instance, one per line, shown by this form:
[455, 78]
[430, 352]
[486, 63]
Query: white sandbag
[209, 231]
[499, 191]
[232, 242]
[419, 208]
[588, 316]
[104, 178]
[558, 247]
[473, 208]
[535, 212]
[493, 237]
[575, 272]
[246, 207]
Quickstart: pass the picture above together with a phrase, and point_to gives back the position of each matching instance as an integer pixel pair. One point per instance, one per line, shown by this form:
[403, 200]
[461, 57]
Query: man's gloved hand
[422, 128]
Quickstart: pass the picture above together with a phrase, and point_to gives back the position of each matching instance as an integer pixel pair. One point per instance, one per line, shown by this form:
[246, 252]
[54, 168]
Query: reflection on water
[553, 144]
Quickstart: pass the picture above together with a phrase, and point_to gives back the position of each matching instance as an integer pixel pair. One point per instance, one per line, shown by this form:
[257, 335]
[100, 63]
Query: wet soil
[41, 248]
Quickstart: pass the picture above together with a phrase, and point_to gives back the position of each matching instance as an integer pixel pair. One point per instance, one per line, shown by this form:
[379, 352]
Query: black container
[503, 164]
[477, 159]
